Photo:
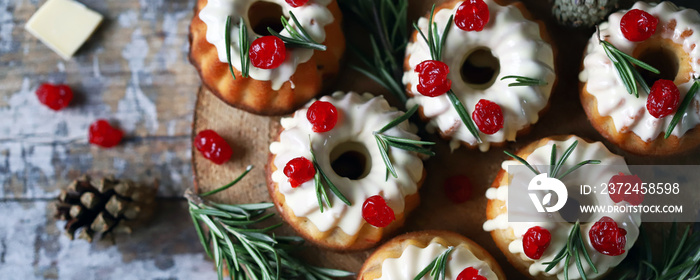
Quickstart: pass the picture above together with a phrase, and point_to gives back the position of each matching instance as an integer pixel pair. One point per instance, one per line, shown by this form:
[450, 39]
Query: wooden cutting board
[250, 136]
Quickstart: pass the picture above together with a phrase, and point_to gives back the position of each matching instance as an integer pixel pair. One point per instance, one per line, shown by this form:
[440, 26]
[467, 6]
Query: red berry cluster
[53, 96]
[472, 15]
[458, 188]
[299, 170]
[535, 241]
[57, 97]
[296, 3]
[376, 212]
[267, 52]
[619, 188]
[607, 238]
[432, 78]
[488, 116]
[470, 273]
[213, 146]
[664, 99]
[638, 25]
[103, 134]
[322, 115]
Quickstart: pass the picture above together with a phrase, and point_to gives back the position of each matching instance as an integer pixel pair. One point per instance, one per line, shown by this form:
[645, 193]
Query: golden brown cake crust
[372, 268]
[494, 208]
[336, 239]
[258, 97]
[527, 15]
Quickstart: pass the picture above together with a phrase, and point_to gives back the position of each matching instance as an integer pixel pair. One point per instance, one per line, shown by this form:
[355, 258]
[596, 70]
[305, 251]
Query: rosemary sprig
[678, 259]
[243, 47]
[436, 43]
[574, 248]
[625, 68]
[436, 267]
[556, 165]
[320, 178]
[249, 253]
[386, 22]
[384, 141]
[683, 107]
[298, 39]
[524, 81]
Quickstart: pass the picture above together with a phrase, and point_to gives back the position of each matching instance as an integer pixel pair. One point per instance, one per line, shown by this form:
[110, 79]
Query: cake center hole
[351, 160]
[571, 212]
[661, 58]
[262, 15]
[480, 68]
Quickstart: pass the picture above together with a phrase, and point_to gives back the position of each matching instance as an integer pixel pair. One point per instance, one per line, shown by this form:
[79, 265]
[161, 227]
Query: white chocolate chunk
[63, 25]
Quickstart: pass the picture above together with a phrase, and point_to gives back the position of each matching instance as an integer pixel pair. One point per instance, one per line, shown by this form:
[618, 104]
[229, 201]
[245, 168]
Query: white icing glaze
[313, 16]
[413, 259]
[359, 117]
[629, 113]
[516, 42]
[610, 165]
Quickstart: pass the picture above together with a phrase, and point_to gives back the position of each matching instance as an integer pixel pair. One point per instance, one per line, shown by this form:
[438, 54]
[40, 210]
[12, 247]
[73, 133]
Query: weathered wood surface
[251, 135]
[133, 72]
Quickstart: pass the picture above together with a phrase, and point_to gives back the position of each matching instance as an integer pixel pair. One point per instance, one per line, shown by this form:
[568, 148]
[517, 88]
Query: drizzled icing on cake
[610, 165]
[358, 117]
[629, 114]
[413, 259]
[313, 16]
[512, 39]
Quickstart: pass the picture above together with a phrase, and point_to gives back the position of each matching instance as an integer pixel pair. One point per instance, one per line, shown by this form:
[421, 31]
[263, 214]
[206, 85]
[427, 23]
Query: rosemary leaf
[247, 169]
[464, 115]
[383, 150]
[524, 81]
[521, 160]
[244, 48]
[398, 120]
[563, 159]
[227, 42]
[552, 161]
[683, 107]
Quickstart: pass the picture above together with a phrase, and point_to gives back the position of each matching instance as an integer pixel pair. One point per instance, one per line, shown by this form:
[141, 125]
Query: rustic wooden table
[134, 72]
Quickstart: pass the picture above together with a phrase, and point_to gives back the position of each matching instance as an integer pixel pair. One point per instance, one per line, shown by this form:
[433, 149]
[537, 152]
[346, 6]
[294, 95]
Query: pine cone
[582, 13]
[103, 206]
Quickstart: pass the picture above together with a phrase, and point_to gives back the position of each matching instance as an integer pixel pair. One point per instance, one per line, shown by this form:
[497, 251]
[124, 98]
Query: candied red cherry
[299, 170]
[488, 116]
[536, 241]
[664, 98]
[622, 187]
[376, 212]
[607, 238]
[296, 3]
[432, 78]
[638, 25]
[213, 146]
[458, 188]
[470, 273]
[267, 52]
[472, 15]
[322, 115]
[103, 134]
[53, 96]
